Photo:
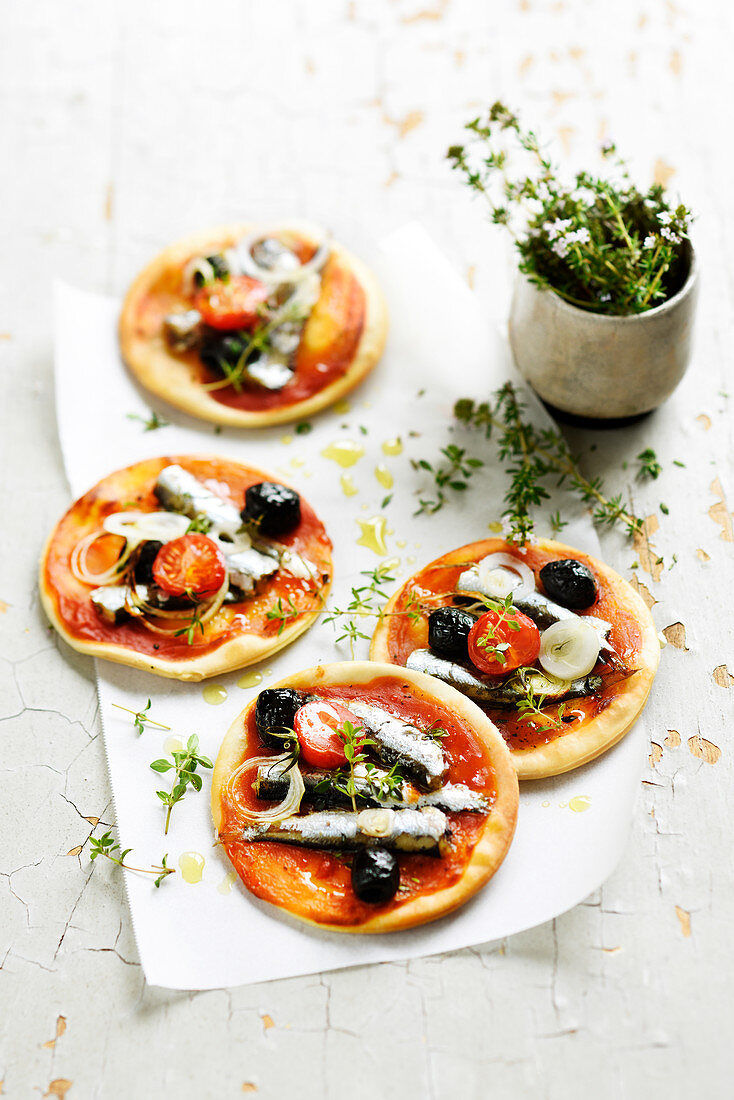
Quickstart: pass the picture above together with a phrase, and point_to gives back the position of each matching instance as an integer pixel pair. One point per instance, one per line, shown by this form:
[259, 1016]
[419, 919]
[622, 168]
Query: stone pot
[598, 367]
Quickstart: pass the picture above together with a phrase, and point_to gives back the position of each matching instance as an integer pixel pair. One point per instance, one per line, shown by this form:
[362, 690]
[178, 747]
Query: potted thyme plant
[602, 313]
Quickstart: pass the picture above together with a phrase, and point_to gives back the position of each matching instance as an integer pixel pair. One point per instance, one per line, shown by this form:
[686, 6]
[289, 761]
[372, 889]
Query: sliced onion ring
[178, 618]
[493, 573]
[139, 527]
[284, 275]
[78, 562]
[290, 804]
[569, 648]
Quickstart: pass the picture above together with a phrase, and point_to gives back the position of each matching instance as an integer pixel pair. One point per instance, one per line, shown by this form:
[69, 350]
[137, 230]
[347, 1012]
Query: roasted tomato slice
[192, 564]
[231, 305]
[317, 725]
[501, 641]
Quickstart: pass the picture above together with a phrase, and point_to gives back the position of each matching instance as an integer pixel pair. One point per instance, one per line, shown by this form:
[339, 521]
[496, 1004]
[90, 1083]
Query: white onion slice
[197, 265]
[180, 617]
[139, 527]
[498, 575]
[569, 648]
[283, 275]
[80, 569]
[290, 804]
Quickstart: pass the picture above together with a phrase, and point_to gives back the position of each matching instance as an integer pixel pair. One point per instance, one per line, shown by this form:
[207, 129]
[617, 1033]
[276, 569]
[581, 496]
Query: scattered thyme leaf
[649, 465]
[141, 718]
[108, 847]
[183, 763]
[151, 423]
[532, 456]
[304, 428]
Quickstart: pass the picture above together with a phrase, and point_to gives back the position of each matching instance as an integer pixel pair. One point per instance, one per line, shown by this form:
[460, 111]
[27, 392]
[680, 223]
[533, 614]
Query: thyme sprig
[601, 244]
[184, 763]
[194, 622]
[141, 719]
[108, 847]
[453, 474]
[282, 613]
[492, 640]
[254, 343]
[530, 708]
[200, 524]
[368, 601]
[150, 423]
[649, 466]
[532, 456]
[355, 742]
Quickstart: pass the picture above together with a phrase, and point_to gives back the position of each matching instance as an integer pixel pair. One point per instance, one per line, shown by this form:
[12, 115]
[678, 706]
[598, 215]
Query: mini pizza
[364, 798]
[251, 326]
[186, 566]
[553, 645]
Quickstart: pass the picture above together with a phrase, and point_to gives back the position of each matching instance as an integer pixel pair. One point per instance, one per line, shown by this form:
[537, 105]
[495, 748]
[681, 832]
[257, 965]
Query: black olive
[273, 508]
[276, 710]
[375, 875]
[143, 570]
[569, 583]
[448, 632]
[218, 348]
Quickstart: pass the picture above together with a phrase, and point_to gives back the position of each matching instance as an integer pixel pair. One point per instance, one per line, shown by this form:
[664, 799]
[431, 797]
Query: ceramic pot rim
[633, 318]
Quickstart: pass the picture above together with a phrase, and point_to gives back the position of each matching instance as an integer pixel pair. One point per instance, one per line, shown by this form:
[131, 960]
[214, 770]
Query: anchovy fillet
[542, 610]
[507, 694]
[179, 491]
[409, 830]
[420, 757]
[272, 783]
[246, 567]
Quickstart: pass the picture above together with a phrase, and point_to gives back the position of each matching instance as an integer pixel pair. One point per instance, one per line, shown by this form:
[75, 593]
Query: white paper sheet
[215, 934]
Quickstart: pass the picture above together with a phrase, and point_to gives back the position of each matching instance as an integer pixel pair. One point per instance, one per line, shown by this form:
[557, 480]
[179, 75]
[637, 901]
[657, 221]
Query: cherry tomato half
[231, 305]
[192, 563]
[501, 641]
[316, 726]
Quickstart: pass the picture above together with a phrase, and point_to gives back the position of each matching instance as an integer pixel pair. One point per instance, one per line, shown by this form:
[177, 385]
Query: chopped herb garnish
[454, 474]
[649, 465]
[304, 428]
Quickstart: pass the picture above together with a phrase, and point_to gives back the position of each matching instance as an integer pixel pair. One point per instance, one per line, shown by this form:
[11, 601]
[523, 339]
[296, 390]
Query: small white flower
[556, 228]
[649, 241]
[543, 192]
[584, 195]
[669, 235]
[579, 236]
[605, 297]
[560, 247]
[665, 217]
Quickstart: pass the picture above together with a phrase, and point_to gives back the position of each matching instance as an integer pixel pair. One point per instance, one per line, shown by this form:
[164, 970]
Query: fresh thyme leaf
[194, 623]
[201, 524]
[649, 465]
[108, 847]
[141, 718]
[282, 614]
[183, 763]
[354, 743]
[153, 421]
[304, 428]
[386, 500]
[664, 509]
[677, 462]
[453, 474]
[532, 456]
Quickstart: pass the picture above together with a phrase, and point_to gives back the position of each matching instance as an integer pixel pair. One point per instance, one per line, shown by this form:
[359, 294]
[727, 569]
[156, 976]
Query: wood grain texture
[124, 126]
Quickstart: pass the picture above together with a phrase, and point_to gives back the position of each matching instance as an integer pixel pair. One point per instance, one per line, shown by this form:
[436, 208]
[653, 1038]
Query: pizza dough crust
[594, 736]
[235, 653]
[493, 842]
[173, 378]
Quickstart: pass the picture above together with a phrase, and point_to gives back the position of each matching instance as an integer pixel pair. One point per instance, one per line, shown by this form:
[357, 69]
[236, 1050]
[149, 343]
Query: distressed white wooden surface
[126, 125]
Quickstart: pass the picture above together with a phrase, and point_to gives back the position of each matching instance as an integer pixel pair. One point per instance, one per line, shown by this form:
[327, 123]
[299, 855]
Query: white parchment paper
[213, 933]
